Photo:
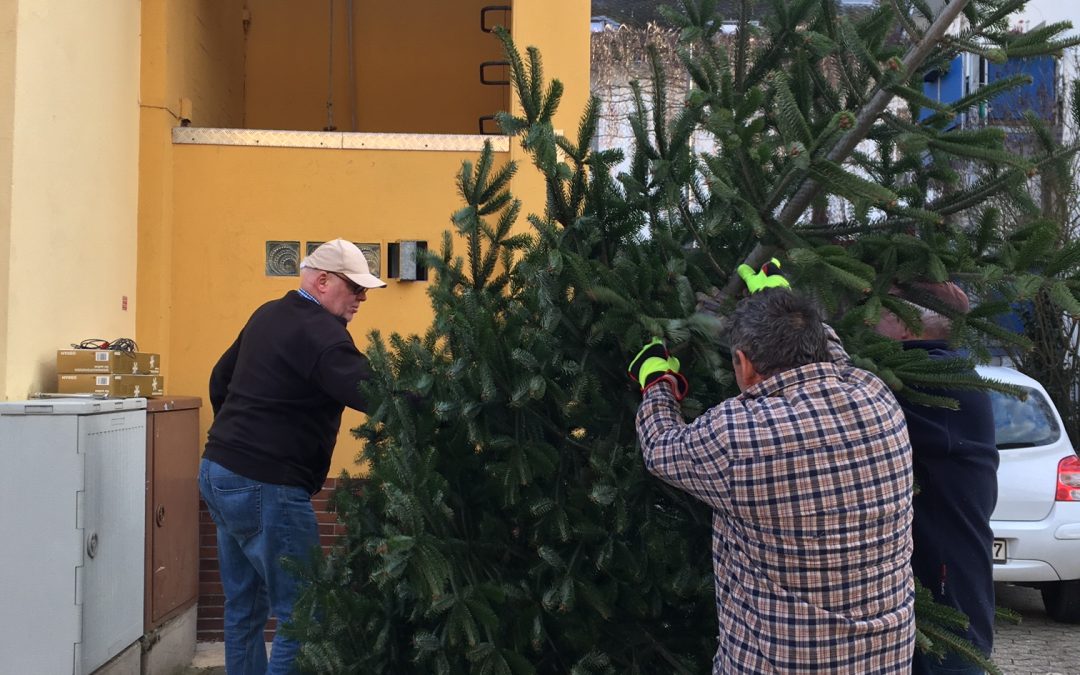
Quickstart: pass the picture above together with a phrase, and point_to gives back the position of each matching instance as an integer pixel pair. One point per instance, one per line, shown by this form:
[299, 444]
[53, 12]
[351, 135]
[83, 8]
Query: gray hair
[778, 330]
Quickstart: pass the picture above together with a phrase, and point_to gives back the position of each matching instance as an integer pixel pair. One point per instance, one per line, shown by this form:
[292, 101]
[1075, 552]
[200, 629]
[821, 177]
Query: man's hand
[767, 277]
[654, 364]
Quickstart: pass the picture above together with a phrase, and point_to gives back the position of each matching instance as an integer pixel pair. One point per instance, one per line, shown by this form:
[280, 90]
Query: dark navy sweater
[955, 461]
[278, 393]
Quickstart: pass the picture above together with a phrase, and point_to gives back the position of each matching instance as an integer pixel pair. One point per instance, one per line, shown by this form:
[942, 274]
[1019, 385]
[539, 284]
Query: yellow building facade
[153, 152]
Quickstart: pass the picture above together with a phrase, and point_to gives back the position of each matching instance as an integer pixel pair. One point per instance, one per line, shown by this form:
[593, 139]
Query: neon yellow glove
[654, 364]
[767, 277]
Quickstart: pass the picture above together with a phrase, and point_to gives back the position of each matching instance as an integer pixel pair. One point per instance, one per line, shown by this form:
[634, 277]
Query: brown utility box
[172, 507]
[111, 385]
[107, 361]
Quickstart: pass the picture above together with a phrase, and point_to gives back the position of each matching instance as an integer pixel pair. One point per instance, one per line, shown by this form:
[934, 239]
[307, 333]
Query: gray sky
[1038, 11]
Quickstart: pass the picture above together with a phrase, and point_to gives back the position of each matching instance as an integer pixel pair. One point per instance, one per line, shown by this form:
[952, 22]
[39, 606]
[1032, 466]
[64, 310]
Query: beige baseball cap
[946, 292]
[345, 258]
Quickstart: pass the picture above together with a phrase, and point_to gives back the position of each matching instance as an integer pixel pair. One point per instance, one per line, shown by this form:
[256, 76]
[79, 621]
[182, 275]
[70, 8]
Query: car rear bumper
[1024, 571]
[1043, 550]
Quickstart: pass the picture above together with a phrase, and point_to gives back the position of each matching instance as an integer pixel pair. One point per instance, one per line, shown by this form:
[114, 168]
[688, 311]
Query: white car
[1037, 520]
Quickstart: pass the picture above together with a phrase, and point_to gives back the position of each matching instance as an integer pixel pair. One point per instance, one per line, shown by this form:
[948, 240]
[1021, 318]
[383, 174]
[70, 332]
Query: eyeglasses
[350, 285]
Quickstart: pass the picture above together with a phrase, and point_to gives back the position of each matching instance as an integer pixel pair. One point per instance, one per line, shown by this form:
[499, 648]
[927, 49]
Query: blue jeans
[257, 525]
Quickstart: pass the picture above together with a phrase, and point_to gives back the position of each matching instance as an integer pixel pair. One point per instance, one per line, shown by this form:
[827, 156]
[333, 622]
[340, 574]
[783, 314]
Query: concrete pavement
[209, 659]
[1038, 645]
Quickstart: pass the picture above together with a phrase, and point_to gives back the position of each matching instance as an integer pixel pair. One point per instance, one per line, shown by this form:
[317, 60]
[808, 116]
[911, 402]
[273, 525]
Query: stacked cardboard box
[112, 373]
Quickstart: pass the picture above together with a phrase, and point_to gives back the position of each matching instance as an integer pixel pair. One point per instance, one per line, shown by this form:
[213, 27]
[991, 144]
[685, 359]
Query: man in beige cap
[277, 394]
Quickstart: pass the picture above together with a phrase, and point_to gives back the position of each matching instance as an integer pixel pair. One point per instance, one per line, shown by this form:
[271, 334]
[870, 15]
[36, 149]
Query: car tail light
[1068, 482]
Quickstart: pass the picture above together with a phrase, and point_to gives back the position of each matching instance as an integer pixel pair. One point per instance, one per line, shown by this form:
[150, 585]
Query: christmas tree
[507, 524]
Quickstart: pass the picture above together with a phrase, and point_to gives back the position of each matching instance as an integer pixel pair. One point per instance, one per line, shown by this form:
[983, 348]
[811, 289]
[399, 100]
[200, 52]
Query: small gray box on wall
[407, 260]
[402, 263]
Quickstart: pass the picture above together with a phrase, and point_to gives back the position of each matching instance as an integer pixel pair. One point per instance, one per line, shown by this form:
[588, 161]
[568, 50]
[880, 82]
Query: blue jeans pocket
[238, 503]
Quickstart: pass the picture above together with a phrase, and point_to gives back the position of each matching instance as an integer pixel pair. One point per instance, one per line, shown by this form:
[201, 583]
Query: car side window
[1023, 423]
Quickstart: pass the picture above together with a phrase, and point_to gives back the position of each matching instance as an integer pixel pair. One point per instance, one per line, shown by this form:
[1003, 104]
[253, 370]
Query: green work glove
[767, 277]
[654, 364]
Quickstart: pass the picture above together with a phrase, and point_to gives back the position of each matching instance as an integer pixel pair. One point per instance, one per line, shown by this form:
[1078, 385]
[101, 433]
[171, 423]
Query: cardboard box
[107, 361]
[113, 385]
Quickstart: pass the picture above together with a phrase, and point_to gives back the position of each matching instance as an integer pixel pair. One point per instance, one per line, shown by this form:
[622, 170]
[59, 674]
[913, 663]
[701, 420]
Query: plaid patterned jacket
[809, 477]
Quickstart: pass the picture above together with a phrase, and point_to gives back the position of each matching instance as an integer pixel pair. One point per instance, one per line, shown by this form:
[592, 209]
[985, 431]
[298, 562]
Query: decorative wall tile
[282, 258]
[372, 253]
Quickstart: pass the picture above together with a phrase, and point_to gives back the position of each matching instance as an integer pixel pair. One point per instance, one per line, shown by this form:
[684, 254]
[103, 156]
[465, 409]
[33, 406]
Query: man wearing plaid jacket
[808, 473]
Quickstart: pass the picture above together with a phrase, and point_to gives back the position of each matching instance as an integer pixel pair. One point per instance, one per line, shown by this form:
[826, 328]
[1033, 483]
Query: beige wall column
[70, 226]
[7, 120]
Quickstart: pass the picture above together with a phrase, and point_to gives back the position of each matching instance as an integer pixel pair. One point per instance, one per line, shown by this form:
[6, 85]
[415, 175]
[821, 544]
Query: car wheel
[1062, 600]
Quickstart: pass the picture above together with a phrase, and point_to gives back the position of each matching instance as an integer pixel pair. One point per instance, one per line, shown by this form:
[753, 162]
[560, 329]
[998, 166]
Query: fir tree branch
[949, 204]
[742, 45]
[1005, 9]
[665, 654]
[795, 207]
[907, 24]
[688, 221]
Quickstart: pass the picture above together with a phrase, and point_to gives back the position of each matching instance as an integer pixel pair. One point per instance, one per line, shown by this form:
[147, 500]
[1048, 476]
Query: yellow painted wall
[560, 30]
[194, 50]
[213, 64]
[71, 227]
[416, 66]
[230, 200]
[190, 50]
[159, 99]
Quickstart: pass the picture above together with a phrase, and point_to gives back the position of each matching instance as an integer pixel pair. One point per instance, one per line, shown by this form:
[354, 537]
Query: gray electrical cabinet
[71, 572]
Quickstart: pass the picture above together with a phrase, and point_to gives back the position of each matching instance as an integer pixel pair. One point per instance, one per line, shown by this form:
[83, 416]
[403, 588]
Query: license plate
[1001, 552]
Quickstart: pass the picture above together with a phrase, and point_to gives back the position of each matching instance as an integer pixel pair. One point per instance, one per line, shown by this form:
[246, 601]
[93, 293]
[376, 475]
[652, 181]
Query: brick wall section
[211, 600]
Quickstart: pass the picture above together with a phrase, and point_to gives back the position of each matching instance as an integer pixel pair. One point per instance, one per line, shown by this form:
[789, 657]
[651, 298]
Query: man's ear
[746, 375]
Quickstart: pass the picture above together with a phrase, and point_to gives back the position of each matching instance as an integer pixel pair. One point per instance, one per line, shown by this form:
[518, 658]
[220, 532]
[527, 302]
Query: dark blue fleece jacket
[955, 462]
